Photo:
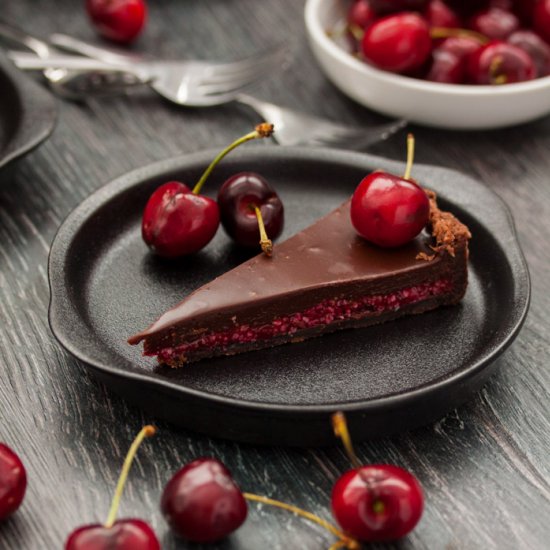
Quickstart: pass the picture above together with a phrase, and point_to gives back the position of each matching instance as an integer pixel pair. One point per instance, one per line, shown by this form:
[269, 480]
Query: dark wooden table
[485, 467]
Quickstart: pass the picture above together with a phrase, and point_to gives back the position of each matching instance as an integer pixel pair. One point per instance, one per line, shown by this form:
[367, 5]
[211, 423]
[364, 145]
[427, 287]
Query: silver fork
[291, 127]
[72, 84]
[192, 83]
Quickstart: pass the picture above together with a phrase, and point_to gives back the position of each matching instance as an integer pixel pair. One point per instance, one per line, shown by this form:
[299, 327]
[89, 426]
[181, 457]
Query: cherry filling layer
[324, 313]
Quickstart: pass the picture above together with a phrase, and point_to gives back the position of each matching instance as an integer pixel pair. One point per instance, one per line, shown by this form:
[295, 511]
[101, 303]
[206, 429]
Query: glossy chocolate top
[327, 253]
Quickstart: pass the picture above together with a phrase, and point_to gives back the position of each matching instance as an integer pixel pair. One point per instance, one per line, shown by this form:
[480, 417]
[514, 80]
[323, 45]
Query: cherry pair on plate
[178, 220]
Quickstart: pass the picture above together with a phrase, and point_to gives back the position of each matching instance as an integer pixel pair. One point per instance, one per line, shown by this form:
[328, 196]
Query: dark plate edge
[38, 116]
[60, 305]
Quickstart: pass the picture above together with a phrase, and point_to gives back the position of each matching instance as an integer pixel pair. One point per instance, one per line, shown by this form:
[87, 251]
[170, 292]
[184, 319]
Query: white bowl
[453, 106]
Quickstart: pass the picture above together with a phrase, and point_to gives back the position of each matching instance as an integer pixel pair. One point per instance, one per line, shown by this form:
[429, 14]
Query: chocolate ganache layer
[322, 279]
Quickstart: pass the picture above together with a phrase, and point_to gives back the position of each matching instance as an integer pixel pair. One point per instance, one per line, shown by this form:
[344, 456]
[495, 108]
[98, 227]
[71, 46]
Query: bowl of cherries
[457, 64]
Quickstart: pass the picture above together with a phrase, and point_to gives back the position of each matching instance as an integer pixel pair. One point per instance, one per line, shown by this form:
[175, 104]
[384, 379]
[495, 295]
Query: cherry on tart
[390, 210]
[123, 534]
[398, 43]
[500, 63]
[251, 211]
[117, 20]
[178, 221]
[13, 482]
[374, 503]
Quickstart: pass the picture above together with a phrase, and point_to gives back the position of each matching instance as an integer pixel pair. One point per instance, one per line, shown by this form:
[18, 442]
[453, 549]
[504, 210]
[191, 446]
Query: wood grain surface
[485, 467]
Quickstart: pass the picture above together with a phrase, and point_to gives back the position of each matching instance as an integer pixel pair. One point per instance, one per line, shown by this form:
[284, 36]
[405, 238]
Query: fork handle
[102, 53]
[32, 62]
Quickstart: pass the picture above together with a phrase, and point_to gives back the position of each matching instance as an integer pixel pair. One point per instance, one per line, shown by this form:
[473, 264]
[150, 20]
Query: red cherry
[235, 198]
[177, 222]
[447, 68]
[461, 46]
[125, 534]
[500, 63]
[377, 502]
[202, 502]
[13, 482]
[536, 47]
[118, 20]
[525, 10]
[467, 7]
[438, 14]
[541, 18]
[398, 43]
[361, 14]
[388, 210]
[394, 6]
[495, 23]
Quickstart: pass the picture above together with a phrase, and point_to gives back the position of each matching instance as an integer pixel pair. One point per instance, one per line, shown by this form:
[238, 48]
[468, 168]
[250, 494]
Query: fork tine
[280, 53]
[216, 84]
[263, 67]
[231, 88]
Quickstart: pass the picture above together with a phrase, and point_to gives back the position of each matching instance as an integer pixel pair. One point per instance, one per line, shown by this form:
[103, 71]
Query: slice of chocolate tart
[323, 279]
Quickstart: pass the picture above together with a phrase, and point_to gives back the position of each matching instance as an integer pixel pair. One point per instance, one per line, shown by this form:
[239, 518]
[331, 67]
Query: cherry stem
[410, 156]
[344, 540]
[261, 131]
[265, 241]
[493, 70]
[340, 427]
[146, 431]
[445, 32]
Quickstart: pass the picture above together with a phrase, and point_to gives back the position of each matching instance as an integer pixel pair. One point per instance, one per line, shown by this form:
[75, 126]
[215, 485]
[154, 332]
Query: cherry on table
[500, 63]
[390, 210]
[117, 20]
[494, 23]
[177, 220]
[13, 481]
[535, 46]
[124, 534]
[202, 502]
[398, 43]
[238, 199]
[378, 502]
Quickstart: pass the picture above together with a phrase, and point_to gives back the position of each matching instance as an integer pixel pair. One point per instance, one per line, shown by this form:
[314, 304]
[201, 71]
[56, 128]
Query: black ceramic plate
[105, 286]
[27, 113]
